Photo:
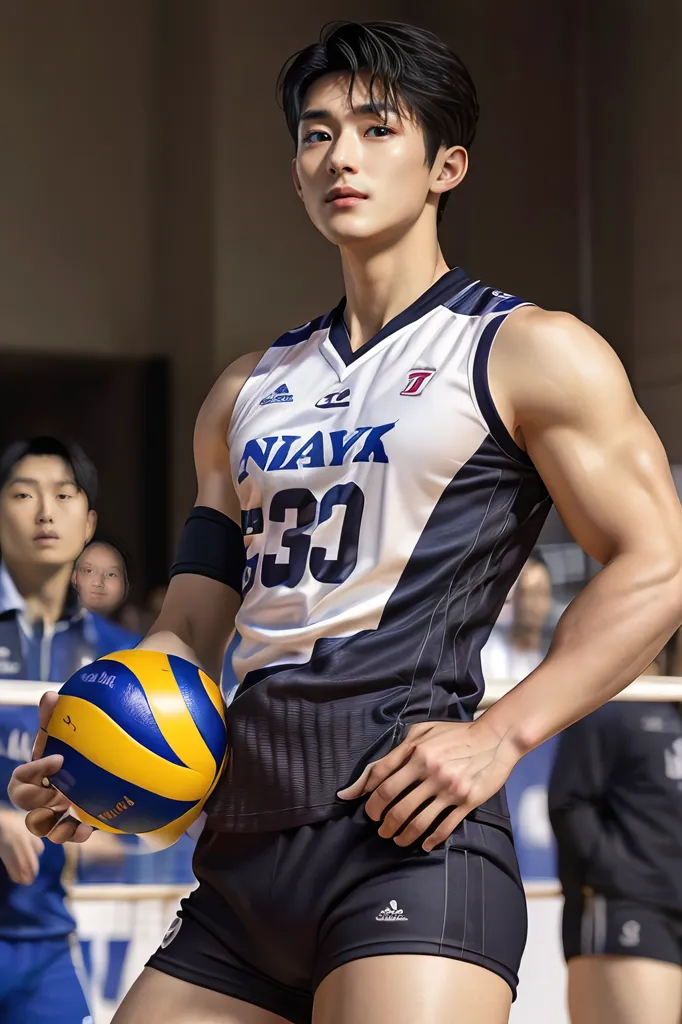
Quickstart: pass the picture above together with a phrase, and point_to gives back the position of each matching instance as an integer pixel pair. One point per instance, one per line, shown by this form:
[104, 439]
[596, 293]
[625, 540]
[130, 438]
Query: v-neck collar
[446, 287]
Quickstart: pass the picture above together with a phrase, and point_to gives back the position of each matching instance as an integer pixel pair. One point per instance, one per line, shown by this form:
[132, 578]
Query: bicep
[597, 453]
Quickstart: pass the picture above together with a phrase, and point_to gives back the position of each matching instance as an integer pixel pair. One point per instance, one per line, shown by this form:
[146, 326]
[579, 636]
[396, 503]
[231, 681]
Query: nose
[45, 512]
[344, 155]
[98, 581]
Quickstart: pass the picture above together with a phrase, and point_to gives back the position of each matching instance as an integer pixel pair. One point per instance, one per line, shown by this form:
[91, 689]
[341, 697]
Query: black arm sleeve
[211, 544]
[586, 755]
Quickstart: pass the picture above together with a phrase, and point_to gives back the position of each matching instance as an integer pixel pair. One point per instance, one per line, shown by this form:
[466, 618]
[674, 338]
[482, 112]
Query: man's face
[44, 517]
[99, 578]
[532, 597]
[344, 146]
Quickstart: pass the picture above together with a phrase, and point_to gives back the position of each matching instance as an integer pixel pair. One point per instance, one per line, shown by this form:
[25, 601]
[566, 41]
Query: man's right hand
[45, 805]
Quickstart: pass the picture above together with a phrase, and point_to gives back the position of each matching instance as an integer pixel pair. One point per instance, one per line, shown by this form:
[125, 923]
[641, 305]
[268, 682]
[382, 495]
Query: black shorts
[597, 925]
[276, 912]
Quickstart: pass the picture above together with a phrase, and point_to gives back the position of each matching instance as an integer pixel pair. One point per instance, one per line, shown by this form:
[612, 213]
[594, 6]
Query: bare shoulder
[546, 361]
[216, 411]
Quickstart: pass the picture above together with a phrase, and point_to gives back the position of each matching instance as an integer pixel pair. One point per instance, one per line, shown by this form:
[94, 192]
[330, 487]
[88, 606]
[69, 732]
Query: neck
[525, 639]
[381, 281]
[43, 588]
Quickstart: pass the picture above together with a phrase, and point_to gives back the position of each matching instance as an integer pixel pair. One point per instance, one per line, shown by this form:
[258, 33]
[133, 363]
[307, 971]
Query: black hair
[413, 68]
[84, 472]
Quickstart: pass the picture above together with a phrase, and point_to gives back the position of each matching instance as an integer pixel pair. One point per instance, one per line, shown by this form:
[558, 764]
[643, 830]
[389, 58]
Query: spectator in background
[47, 496]
[615, 802]
[100, 576]
[516, 648]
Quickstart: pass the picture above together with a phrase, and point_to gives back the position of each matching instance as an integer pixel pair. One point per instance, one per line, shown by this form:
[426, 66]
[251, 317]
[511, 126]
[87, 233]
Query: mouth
[344, 197]
[46, 537]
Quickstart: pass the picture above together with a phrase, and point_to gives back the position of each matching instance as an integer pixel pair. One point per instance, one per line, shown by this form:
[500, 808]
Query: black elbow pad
[212, 545]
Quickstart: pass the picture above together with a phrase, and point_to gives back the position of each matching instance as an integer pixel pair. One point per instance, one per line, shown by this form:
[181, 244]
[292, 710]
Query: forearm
[196, 622]
[606, 637]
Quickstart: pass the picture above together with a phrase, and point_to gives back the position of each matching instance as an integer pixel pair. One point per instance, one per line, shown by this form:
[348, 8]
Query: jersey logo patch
[417, 381]
[280, 394]
[335, 400]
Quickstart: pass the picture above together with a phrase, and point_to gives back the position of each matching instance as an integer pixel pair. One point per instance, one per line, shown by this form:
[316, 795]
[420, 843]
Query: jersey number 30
[302, 550]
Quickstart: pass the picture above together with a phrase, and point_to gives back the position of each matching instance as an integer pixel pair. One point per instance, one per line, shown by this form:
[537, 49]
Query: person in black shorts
[370, 487]
[615, 801]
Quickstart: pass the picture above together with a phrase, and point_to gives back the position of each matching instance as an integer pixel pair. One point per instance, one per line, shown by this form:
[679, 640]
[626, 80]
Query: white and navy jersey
[386, 513]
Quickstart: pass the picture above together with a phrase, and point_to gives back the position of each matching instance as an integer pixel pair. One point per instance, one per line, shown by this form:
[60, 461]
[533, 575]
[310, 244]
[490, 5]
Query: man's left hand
[456, 765]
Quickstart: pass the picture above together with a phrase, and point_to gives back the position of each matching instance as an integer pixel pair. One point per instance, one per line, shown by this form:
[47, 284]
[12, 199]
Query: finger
[400, 813]
[446, 827]
[375, 773]
[41, 821]
[46, 706]
[27, 788]
[391, 788]
[37, 844]
[70, 830]
[422, 822]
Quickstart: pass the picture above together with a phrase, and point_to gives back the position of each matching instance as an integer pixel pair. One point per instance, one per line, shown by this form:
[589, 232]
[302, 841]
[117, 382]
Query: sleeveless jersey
[386, 513]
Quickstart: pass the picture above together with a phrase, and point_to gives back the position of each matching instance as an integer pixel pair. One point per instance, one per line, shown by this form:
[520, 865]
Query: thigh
[624, 990]
[157, 998]
[461, 902]
[407, 989]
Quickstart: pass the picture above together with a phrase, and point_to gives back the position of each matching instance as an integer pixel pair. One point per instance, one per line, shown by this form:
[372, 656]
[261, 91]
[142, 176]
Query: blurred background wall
[151, 232]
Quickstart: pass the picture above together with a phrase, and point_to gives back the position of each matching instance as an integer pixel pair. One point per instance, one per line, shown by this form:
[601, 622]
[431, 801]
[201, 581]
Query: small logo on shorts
[391, 913]
[629, 934]
[171, 933]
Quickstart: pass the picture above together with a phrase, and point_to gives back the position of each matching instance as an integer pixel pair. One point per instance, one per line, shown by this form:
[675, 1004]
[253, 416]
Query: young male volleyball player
[388, 468]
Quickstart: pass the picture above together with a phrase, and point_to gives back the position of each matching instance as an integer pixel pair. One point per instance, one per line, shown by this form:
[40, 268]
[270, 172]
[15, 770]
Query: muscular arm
[197, 618]
[565, 397]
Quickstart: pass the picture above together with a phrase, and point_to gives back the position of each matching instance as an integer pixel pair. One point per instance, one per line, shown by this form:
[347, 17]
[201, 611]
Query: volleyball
[143, 739]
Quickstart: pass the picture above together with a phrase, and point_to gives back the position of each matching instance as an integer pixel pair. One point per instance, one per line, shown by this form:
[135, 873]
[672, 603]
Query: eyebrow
[320, 114]
[36, 483]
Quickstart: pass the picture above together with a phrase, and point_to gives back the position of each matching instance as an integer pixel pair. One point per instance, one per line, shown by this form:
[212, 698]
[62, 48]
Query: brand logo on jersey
[335, 400]
[630, 933]
[280, 394]
[391, 913]
[417, 381]
[173, 930]
[673, 761]
[333, 448]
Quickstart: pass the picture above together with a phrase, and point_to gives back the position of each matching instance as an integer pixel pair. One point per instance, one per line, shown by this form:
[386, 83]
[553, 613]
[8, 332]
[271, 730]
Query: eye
[311, 137]
[111, 575]
[383, 128]
[64, 497]
[21, 495]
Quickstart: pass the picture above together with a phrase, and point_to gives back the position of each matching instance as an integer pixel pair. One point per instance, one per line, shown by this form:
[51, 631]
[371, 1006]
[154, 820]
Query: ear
[449, 169]
[74, 578]
[297, 180]
[91, 526]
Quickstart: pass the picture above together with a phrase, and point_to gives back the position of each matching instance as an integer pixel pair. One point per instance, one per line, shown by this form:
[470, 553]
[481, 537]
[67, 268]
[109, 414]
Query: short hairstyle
[413, 68]
[84, 472]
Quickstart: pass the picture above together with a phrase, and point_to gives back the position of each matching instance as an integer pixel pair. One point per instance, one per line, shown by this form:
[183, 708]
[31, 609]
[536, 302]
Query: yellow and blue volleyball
[143, 739]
